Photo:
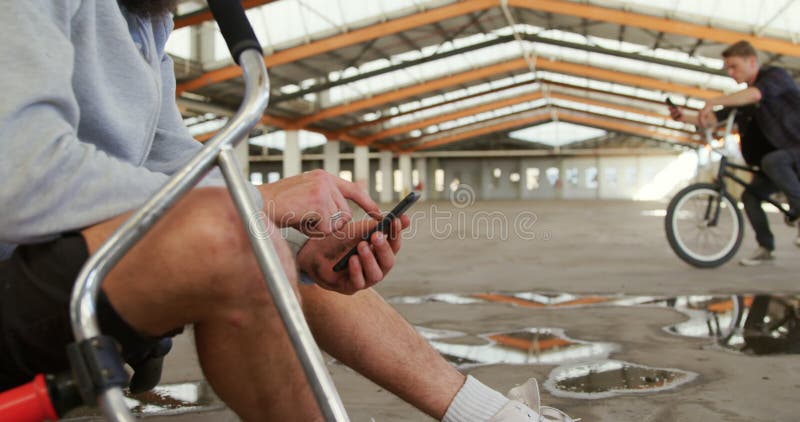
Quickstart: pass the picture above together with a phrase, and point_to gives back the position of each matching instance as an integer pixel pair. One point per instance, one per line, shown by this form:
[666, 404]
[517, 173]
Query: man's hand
[706, 117]
[676, 113]
[314, 202]
[373, 261]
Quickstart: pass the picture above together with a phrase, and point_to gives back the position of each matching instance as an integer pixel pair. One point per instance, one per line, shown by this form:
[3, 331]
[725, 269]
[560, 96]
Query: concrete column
[202, 39]
[331, 161]
[361, 167]
[405, 172]
[434, 165]
[387, 181]
[291, 154]
[243, 157]
[600, 193]
[422, 172]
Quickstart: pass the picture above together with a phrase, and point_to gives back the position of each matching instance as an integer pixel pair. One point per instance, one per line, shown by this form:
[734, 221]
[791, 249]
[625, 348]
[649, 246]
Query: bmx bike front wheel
[692, 232]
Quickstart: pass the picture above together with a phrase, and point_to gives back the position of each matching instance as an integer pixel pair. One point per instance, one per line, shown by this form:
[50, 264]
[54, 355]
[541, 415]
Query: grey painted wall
[550, 177]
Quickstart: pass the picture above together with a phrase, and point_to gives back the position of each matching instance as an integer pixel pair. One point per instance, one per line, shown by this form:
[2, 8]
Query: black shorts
[35, 288]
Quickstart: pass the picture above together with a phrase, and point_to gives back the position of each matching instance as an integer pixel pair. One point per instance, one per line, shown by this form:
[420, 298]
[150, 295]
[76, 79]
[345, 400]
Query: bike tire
[675, 211]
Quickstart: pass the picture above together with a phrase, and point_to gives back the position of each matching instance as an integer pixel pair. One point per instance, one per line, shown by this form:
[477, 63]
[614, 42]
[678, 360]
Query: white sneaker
[760, 256]
[525, 407]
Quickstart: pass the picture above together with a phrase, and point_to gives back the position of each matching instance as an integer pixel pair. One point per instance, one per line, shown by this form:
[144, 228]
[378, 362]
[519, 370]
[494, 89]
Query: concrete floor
[578, 247]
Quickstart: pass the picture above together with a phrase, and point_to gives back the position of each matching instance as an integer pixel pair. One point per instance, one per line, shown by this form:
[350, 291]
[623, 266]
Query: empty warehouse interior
[555, 233]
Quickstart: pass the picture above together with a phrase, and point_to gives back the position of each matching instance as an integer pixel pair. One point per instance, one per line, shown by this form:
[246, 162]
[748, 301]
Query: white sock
[474, 402]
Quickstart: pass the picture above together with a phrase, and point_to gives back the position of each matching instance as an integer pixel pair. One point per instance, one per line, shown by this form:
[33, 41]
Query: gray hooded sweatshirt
[89, 126]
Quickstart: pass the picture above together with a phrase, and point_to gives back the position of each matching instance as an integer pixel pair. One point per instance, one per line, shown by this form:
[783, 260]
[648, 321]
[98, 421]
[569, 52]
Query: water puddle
[532, 346]
[728, 320]
[525, 300]
[610, 378]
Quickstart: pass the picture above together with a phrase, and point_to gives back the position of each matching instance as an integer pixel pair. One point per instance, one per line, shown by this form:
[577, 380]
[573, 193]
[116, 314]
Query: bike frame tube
[712, 221]
[736, 179]
[82, 305]
[723, 173]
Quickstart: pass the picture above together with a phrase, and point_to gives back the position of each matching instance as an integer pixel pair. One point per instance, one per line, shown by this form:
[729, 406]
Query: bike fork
[713, 207]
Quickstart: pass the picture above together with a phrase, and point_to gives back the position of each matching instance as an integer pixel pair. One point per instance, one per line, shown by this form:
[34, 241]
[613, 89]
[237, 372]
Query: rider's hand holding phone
[384, 225]
[674, 111]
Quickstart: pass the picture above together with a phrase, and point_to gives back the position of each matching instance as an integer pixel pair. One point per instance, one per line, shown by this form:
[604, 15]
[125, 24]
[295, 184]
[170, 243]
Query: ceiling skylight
[277, 140]
[557, 134]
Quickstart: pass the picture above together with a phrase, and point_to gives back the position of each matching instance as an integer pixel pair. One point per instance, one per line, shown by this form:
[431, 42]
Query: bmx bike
[757, 324]
[704, 223]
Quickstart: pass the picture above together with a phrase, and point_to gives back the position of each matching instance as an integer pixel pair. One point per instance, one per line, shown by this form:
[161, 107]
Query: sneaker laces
[528, 394]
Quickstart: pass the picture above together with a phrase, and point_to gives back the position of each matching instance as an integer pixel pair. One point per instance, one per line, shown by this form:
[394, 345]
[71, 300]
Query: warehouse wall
[646, 177]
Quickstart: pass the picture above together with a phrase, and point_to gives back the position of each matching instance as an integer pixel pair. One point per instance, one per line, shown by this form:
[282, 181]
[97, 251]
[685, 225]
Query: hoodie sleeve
[52, 181]
[173, 145]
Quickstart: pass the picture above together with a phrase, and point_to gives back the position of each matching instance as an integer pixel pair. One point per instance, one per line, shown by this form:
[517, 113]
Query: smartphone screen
[384, 225]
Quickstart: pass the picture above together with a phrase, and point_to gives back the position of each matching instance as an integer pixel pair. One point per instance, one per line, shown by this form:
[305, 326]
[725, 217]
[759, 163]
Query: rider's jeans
[760, 187]
[783, 167]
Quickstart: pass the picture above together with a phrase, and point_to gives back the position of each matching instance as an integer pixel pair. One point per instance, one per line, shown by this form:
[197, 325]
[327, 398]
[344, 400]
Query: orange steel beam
[500, 104]
[530, 345]
[606, 104]
[200, 16]
[727, 305]
[604, 122]
[624, 78]
[498, 298]
[686, 137]
[410, 91]
[275, 121]
[516, 64]
[285, 124]
[613, 94]
[589, 300]
[509, 66]
[418, 109]
[343, 40]
[623, 126]
[628, 109]
[670, 26]
[537, 118]
[480, 94]
[470, 111]
[468, 6]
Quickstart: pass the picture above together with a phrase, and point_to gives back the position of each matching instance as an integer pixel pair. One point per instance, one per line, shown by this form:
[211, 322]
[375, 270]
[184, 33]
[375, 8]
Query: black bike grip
[234, 26]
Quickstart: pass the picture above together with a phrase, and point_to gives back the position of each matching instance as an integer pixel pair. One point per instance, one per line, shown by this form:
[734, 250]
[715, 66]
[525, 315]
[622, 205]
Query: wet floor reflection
[611, 377]
[524, 299]
[532, 346]
[173, 399]
[752, 324]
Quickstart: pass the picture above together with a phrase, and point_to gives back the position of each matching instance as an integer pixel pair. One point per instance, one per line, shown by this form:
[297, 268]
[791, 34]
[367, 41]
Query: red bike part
[27, 403]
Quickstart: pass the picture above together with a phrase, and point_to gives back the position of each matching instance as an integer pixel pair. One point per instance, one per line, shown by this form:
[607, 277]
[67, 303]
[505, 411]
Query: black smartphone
[384, 225]
[670, 103]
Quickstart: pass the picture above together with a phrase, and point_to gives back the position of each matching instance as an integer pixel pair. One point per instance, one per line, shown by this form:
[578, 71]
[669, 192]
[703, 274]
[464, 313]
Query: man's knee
[213, 238]
[207, 226]
[750, 200]
[774, 160]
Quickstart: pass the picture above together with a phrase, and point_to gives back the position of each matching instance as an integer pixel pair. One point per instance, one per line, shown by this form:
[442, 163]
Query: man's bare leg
[367, 334]
[196, 267]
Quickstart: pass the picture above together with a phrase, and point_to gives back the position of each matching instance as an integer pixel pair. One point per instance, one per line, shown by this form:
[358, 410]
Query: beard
[146, 8]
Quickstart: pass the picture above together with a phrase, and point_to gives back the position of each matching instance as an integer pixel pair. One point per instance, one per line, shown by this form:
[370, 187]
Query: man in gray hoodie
[89, 130]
